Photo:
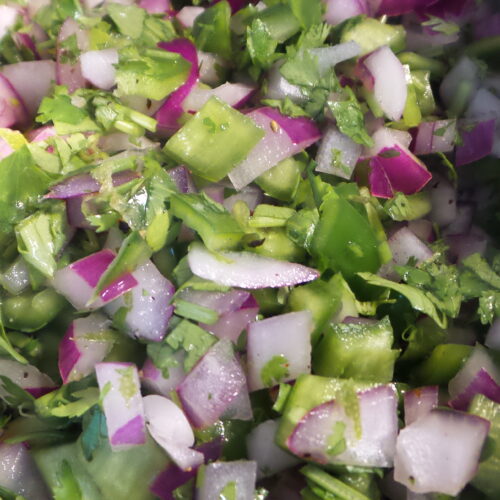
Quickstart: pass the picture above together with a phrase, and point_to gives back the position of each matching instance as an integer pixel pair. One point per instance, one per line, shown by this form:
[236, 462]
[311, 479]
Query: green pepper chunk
[214, 141]
[344, 240]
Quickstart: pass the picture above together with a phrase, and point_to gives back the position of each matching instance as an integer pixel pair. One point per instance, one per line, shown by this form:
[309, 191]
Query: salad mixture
[249, 250]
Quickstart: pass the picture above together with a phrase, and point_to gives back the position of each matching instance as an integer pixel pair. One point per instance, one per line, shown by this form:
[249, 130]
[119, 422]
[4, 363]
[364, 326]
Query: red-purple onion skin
[378, 180]
[476, 143]
[134, 427]
[488, 26]
[171, 110]
[182, 179]
[156, 6]
[482, 383]
[420, 401]
[299, 129]
[92, 267]
[41, 134]
[447, 9]
[398, 7]
[74, 213]
[236, 5]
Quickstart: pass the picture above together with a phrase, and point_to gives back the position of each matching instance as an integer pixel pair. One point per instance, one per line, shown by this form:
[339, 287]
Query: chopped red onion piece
[156, 6]
[463, 220]
[234, 94]
[74, 213]
[148, 308]
[240, 408]
[28, 377]
[419, 402]
[463, 245]
[487, 26]
[77, 281]
[70, 74]
[172, 477]
[212, 385]
[171, 110]
[405, 245]
[286, 336]
[262, 449]
[41, 134]
[390, 88]
[12, 108]
[478, 375]
[217, 475]
[338, 11]
[398, 7]
[152, 377]
[337, 153]
[440, 451]
[422, 228]
[284, 137]
[435, 137]
[83, 346]
[493, 336]
[485, 105]
[379, 427]
[122, 404]
[98, 67]
[18, 471]
[251, 195]
[209, 67]
[182, 179]
[247, 270]
[443, 200]
[221, 302]
[32, 90]
[477, 141]
[170, 428]
[82, 184]
[5, 148]
[188, 14]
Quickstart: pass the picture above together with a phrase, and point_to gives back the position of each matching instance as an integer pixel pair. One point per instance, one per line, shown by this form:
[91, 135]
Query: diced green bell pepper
[358, 351]
[282, 181]
[214, 141]
[486, 479]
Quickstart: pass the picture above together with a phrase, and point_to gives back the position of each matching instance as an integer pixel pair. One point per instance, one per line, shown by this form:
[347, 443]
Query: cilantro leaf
[274, 371]
[94, 432]
[308, 12]
[128, 18]
[261, 46]
[350, 118]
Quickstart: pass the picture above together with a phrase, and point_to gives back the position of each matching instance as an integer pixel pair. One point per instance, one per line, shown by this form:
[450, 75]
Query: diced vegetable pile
[249, 250]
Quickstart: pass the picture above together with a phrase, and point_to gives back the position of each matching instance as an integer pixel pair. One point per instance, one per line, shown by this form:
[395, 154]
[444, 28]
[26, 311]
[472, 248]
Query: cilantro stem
[129, 128]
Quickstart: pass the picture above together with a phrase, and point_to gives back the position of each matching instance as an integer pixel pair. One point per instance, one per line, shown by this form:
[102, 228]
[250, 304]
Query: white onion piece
[70, 74]
[8, 19]
[148, 304]
[98, 67]
[13, 110]
[463, 221]
[277, 144]
[170, 428]
[278, 87]
[231, 93]
[483, 106]
[328, 57]
[153, 380]
[240, 408]
[465, 72]
[379, 426]
[247, 270]
[218, 475]
[262, 449]
[32, 90]
[221, 302]
[385, 137]
[493, 336]
[187, 15]
[338, 11]
[419, 402]
[122, 404]
[251, 195]
[404, 245]
[18, 471]
[463, 245]
[119, 141]
[389, 89]
[287, 335]
[422, 228]
[16, 278]
[83, 346]
[208, 67]
[440, 452]
[443, 200]
[479, 375]
[28, 377]
[337, 153]
[212, 385]
[231, 324]
[435, 137]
